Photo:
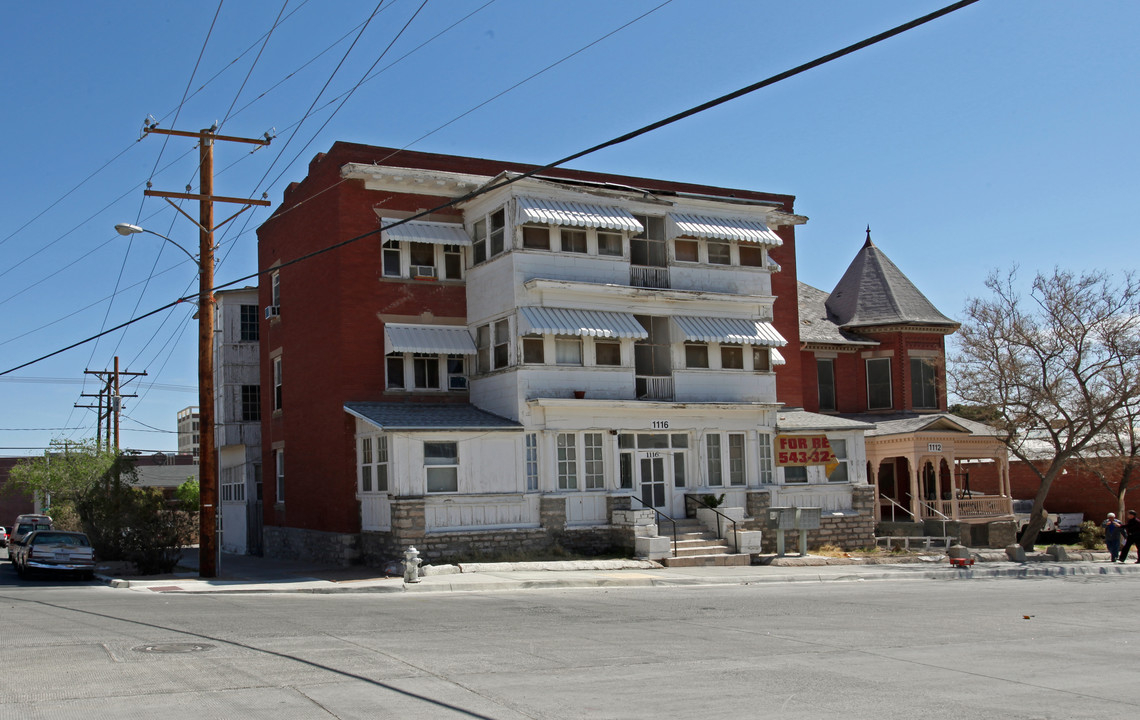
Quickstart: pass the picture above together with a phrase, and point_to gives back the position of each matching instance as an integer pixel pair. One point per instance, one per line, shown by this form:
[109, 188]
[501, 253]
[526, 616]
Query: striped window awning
[422, 231]
[431, 339]
[574, 214]
[703, 226]
[729, 330]
[777, 358]
[592, 323]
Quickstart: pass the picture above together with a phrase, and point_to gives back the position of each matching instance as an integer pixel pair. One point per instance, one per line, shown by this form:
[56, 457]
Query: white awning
[594, 323]
[729, 330]
[776, 357]
[422, 231]
[703, 226]
[432, 339]
[574, 214]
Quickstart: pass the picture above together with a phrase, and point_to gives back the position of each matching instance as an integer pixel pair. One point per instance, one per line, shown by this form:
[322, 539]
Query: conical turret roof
[874, 291]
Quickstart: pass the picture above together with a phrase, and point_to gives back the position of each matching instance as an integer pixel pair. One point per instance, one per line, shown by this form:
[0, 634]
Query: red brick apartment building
[570, 358]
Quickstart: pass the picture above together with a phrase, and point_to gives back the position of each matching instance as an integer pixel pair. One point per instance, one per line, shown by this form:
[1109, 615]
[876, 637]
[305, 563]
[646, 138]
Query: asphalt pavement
[251, 574]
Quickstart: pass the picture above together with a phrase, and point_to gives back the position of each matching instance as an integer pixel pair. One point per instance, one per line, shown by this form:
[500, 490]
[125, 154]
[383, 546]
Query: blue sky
[1002, 134]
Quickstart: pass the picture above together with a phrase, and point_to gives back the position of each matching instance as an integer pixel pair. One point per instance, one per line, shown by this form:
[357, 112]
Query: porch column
[915, 499]
[952, 463]
[878, 511]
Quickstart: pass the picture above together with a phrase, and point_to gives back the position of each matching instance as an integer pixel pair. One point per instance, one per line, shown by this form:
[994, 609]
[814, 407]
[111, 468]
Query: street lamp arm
[128, 229]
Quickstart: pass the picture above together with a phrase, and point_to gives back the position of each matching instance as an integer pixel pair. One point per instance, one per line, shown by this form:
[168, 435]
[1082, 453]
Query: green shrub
[1092, 535]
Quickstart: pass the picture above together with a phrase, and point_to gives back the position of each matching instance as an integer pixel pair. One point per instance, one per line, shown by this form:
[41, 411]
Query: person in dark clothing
[1112, 535]
[1132, 528]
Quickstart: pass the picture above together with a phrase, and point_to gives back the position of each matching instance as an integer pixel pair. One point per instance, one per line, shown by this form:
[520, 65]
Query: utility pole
[208, 550]
[112, 390]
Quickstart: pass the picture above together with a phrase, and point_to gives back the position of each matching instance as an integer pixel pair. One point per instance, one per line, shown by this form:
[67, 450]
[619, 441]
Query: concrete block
[1058, 552]
[652, 548]
[746, 541]
[1016, 553]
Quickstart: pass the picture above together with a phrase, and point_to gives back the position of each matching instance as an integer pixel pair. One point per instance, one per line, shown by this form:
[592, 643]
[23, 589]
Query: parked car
[3, 537]
[54, 551]
[26, 524]
[1021, 512]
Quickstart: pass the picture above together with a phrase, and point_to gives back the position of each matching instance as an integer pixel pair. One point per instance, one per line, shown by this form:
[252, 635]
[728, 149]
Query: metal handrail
[720, 515]
[661, 515]
[896, 505]
[929, 506]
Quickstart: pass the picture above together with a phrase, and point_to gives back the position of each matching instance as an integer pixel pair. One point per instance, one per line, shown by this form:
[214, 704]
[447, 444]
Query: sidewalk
[248, 574]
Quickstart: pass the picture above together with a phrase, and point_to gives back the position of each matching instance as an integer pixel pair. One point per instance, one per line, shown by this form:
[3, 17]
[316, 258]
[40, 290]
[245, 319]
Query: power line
[830, 57]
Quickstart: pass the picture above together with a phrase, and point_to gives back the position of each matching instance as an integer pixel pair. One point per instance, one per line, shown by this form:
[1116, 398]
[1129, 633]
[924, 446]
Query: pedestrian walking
[1132, 532]
[1112, 535]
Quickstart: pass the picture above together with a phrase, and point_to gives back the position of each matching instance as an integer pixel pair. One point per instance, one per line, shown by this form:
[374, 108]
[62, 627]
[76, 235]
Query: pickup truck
[53, 551]
[1054, 522]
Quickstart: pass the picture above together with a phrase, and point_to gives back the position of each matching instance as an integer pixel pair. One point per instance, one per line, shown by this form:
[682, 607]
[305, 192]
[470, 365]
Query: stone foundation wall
[848, 532]
[339, 549]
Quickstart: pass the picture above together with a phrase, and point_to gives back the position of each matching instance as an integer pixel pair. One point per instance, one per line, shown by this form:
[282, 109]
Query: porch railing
[977, 506]
[649, 277]
[654, 387]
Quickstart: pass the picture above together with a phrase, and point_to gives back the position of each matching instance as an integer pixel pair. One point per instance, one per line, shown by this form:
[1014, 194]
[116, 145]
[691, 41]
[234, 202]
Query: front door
[653, 483]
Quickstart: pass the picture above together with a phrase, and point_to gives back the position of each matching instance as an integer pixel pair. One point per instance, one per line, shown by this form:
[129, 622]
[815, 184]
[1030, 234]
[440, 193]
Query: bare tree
[1059, 366]
[1114, 458]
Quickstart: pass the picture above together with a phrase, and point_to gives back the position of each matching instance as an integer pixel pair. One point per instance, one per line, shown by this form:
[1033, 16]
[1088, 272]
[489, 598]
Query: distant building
[188, 431]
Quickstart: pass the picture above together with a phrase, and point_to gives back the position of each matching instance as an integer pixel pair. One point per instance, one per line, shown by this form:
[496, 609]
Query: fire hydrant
[412, 565]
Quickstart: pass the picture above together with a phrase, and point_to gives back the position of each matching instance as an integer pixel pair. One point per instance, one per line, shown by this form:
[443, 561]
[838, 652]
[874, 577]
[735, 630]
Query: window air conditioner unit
[272, 311]
[423, 271]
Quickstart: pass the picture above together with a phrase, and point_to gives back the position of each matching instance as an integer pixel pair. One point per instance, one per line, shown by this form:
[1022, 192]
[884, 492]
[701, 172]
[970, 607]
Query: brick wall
[1076, 491]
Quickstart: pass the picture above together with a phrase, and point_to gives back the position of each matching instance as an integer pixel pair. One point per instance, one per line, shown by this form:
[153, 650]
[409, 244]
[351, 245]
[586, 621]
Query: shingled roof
[874, 292]
[816, 328]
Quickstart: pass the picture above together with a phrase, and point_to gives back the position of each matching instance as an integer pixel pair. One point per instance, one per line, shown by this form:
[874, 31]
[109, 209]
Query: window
[736, 458]
[686, 250]
[825, 379]
[534, 350]
[719, 253]
[250, 403]
[536, 237]
[568, 351]
[390, 258]
[381, 474]
[502, 343]
[422, 257]
[456, 372]
[839, 474]
[479, 242]
[452, 262]
[923, 383]
[492, 343]
[275, 289]
[595, 466]
[761, 359]
[498, 231]
[532, 461]
[609, 243]
[366, 461]
[879, 384]
[607, 353]
[395, 374]
[732, 357]
[712, 445]
[573, 240]
[764, 453]
[794, 475]
[751, 256]
[249, 327]
[696, 355]
[425, 371]
[648, 246]
[277, 393]
[567, 462]
[279, 458]
[441, 463]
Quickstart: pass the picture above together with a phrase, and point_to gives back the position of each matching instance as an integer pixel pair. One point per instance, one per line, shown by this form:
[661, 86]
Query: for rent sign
[800, 450]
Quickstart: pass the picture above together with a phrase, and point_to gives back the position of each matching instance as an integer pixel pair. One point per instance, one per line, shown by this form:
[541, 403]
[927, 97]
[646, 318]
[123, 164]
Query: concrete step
[718, 560]
[702, 549]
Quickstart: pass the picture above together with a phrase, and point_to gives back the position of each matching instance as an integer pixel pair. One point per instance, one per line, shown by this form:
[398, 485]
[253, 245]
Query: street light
[127, 229]
[209, 552]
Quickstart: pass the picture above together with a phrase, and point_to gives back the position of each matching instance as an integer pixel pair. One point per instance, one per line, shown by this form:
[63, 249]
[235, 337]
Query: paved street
[890, 649]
